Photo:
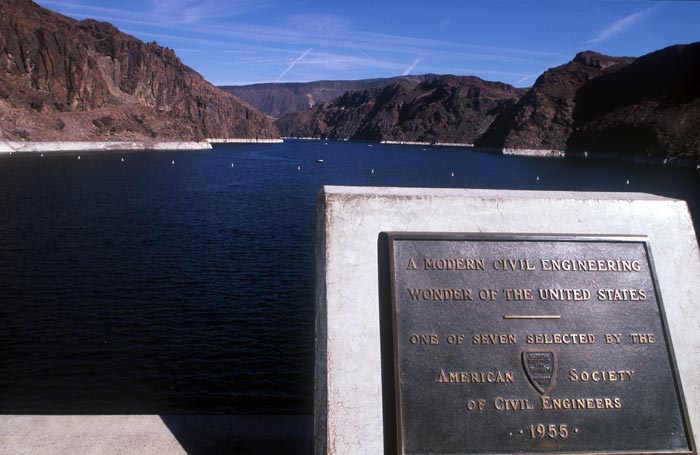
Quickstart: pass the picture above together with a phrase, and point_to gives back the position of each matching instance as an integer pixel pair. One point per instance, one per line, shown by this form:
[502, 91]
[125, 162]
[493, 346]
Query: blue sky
[234, 42]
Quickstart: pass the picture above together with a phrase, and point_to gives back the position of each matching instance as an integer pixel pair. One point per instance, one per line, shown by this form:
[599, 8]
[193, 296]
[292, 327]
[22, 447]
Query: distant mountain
[278, 99]
[455, 109]
[67, 80]
[543, 118]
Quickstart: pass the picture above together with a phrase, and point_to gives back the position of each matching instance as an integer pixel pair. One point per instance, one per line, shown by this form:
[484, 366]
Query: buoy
[538, 178]
[372, 171]
[585, 154]
[628, 182]
[453, 174]
[172, 162]
[298, 168]
[231, 164]
[122, 160]
[78, 156]
[42, 155]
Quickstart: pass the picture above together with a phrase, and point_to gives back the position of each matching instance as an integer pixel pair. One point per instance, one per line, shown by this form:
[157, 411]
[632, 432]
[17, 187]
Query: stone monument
[488, 321]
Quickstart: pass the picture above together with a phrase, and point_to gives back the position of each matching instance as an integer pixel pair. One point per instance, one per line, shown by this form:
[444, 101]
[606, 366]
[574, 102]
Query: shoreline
[438, 144]
[540, 153]
[243, 141]
[564, 154]
[10, 147]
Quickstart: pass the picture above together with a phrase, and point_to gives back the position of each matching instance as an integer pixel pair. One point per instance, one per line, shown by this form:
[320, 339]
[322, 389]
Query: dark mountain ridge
[594, 105]
[85, 80]
[454, 109]
[277, 99]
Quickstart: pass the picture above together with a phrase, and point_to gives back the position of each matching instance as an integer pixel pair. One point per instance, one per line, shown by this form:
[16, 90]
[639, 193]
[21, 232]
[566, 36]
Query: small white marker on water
[628, 182]
[231, 164]
[78, 156]
[172, 162]
[538, 178]
[122, 160]
[372, 171]
[453, 174]
[42, 155]
[298, 168]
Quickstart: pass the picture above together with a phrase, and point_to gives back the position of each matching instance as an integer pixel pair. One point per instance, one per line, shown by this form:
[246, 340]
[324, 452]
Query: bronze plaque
[528, 344]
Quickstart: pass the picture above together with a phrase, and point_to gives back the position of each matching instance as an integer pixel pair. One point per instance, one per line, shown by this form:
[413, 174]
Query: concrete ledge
[348, 395]
[153, 434]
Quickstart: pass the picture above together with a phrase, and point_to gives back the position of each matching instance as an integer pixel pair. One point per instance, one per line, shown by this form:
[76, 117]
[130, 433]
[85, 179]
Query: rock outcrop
[544, 117]
[650, 107]
[612, 107]
[62, 79]
[455, 109]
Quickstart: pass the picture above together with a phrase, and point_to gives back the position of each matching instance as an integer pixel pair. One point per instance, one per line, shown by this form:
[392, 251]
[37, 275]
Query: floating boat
[319, 161]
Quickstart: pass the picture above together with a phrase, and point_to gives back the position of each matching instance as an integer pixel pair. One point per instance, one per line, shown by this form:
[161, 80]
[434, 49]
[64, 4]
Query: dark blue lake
[145, 286]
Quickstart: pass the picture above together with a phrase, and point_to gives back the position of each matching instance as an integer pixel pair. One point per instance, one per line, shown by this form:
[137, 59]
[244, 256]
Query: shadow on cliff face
[617, 139]
[264, 434]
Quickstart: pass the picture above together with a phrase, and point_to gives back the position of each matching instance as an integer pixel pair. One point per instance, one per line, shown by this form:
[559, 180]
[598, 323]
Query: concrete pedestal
[348, 395]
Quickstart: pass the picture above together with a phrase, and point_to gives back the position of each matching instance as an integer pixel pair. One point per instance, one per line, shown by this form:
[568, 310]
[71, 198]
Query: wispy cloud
[526, 78]
[364, 54]
[160, 13]
[291, 65]
[620, 26]
[257, 43]
[411, 67]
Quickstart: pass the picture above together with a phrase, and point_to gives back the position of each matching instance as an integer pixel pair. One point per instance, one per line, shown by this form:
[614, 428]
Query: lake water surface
[143, 286]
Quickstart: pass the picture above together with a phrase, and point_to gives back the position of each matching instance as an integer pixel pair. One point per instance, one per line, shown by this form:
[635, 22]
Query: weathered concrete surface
[348, 396]
[154, 435]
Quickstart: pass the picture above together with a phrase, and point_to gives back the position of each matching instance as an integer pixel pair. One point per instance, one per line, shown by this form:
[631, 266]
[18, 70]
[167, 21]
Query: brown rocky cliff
[61, 79]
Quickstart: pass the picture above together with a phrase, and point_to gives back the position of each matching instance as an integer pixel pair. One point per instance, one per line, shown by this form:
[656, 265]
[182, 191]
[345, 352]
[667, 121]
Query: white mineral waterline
[243, 141]
[7, 147]
[534, 152]
[440, 144]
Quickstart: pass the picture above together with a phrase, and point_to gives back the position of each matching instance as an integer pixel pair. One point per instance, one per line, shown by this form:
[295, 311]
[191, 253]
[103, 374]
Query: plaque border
[392, 236]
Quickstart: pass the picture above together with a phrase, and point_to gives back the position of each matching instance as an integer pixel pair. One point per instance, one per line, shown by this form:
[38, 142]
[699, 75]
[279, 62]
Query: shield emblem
[540, 369]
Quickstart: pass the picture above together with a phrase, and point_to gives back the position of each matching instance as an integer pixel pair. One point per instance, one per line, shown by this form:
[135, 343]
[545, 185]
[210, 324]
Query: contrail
[291, 65]
[408, 70]
[621, 25]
